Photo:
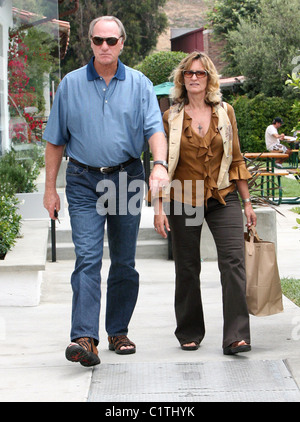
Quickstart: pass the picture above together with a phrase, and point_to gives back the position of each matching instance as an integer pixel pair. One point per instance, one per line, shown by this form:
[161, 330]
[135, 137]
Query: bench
[268, 186]
[294, 159]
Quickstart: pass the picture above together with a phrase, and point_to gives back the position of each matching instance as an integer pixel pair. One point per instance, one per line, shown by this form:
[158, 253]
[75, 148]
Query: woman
[207, 150]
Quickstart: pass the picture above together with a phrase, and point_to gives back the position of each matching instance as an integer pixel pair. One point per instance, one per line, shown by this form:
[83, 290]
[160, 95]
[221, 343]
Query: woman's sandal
[115, 343]
[235, 348]
[195, 347]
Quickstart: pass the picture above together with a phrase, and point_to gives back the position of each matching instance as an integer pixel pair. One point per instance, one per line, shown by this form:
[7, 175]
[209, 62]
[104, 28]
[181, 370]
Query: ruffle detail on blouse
[239, 172]
[204, 151]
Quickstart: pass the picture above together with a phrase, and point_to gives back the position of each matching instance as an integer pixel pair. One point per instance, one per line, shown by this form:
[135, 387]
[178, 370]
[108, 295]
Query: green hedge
[159, 66]
[16, 175]
[254, 115]
[10, 222]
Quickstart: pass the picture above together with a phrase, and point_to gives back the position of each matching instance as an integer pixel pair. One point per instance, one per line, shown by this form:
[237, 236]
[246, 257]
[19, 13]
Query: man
[102, 113]
[273, 139]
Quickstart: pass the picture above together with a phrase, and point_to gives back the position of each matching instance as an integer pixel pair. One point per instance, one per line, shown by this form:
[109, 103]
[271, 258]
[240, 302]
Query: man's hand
[51, 202]
[158, 179]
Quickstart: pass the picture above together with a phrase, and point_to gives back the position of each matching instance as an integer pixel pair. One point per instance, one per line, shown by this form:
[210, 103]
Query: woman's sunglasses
[111, 41]
[199, 73]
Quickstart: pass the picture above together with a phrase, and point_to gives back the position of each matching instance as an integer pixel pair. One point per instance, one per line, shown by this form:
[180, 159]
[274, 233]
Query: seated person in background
[273, 139]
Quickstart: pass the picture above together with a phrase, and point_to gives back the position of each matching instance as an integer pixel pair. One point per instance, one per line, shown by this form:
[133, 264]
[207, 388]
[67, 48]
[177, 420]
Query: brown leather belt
[104, 170]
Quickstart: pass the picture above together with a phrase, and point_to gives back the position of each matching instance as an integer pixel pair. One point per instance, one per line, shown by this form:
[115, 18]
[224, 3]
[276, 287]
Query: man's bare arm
[53, 157]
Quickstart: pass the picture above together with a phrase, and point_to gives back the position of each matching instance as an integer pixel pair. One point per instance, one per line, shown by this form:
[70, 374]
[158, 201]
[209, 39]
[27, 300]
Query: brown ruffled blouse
[200, 157]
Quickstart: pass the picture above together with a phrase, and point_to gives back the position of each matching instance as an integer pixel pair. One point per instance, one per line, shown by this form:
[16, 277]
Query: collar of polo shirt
[92, 73]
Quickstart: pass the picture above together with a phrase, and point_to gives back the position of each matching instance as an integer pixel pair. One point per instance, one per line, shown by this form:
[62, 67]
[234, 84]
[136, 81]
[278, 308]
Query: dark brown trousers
[226, 225]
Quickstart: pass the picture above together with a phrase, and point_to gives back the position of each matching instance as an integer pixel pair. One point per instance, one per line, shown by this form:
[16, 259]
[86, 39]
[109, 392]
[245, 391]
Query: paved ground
[33, 340]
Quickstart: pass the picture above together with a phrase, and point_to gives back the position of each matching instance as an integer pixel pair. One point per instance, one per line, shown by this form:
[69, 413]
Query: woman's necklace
[198, 120]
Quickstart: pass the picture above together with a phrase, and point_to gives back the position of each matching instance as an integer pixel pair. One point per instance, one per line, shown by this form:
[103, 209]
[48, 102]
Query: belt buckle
[104, 169]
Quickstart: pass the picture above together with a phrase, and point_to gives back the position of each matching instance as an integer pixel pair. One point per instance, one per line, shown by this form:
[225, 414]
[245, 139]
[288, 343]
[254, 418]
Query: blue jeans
[95, 199]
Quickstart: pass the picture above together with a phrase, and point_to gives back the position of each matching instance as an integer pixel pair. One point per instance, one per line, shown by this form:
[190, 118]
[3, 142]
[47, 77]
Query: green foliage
[40, 7]
[294, 81]
[263, 50]
[159, 66]
[10, 222]
[297, 211]
[42, 59]
[17, 175]
[254, 115]
[144, 21]
[223, 17]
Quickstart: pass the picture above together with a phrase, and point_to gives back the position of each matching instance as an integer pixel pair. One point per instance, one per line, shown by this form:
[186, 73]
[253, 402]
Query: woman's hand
[161, 223]
[250, 215]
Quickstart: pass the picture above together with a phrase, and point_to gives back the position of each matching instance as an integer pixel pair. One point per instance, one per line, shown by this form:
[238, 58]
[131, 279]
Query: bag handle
[252, 232]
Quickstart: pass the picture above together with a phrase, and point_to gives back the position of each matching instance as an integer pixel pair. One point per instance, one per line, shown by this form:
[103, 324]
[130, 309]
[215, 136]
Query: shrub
[254, 115]
[18, 175]
[10, 221]
[159, 66]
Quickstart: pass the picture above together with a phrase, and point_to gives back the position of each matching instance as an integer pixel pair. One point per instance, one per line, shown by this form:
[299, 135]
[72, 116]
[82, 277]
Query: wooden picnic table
[270, 157]
[270, 175]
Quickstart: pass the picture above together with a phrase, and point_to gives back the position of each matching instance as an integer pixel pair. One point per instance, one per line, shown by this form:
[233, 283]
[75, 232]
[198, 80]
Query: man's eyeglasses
[111, 41]
[199, 73]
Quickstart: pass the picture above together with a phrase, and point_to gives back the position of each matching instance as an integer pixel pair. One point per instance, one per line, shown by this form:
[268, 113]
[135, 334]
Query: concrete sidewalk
[33, 367]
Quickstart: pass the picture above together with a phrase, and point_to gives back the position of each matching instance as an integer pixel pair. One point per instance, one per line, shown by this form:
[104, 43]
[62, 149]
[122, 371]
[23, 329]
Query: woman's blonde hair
[179, 92]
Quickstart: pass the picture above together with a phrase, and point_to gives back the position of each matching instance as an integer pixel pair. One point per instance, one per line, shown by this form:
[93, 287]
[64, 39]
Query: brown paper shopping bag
[264, 294]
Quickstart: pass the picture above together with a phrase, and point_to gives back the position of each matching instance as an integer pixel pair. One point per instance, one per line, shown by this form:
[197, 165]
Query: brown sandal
[115, 343]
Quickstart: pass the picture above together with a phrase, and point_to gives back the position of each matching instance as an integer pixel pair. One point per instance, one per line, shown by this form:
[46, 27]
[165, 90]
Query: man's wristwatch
[246, 200]
[163, 163]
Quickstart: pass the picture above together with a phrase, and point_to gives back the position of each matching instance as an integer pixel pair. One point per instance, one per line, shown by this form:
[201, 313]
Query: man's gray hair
[108, 18]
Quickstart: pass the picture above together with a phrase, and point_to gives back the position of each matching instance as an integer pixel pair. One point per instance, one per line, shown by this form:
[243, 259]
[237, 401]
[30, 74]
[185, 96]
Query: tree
[264, 51]
[294, 81]
[223, 17]
[144, 21]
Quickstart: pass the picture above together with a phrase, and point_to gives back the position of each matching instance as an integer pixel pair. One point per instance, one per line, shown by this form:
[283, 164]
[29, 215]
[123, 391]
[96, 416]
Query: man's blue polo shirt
[103, 125]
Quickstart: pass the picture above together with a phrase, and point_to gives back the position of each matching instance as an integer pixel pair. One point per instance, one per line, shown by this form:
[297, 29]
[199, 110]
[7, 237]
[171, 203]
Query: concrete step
[65, 235]
[154, 249]
[150, 245]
